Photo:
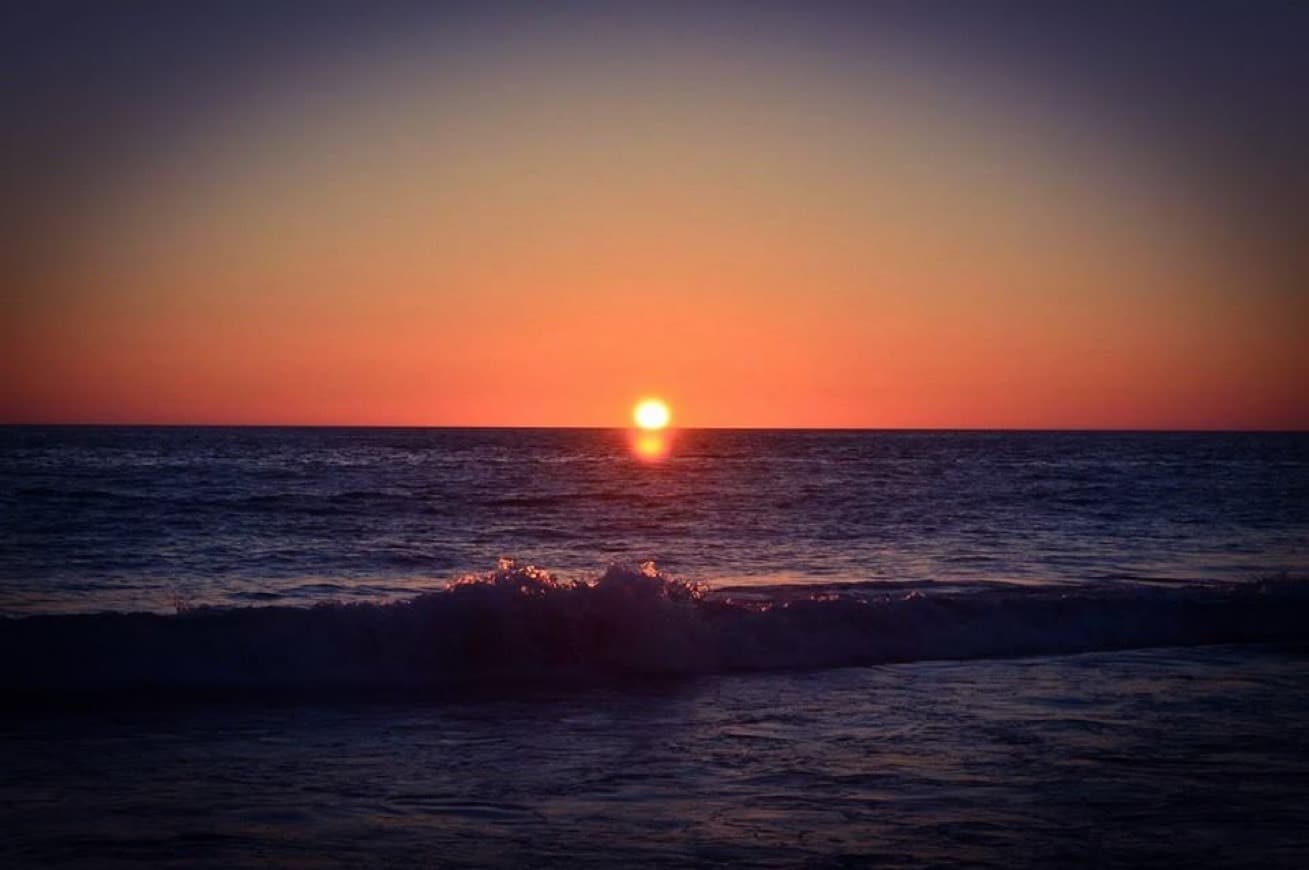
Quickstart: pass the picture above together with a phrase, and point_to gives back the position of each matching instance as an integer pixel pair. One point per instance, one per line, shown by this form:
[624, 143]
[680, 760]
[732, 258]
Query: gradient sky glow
[771, 215]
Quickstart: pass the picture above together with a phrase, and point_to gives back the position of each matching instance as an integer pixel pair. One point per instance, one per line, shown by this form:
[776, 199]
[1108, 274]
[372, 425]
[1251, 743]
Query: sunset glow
[832, 221]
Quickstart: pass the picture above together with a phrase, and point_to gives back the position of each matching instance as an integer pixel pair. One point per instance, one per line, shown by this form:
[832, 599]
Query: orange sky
[539, 234]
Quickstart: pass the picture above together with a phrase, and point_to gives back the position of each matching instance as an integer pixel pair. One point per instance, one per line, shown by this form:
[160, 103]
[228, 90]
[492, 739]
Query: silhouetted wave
[522, 625]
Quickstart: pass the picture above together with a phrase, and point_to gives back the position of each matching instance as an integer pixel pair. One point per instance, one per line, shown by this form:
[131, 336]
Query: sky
[922, 215]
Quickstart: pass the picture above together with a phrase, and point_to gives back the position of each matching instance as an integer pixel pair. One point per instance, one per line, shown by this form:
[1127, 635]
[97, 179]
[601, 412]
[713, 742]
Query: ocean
[555, 647]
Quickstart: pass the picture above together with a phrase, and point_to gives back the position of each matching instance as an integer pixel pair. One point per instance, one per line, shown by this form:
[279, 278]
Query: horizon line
[508, 427]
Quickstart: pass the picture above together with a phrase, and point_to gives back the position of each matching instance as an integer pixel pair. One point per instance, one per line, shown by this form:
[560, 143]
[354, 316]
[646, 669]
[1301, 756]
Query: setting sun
[651, 414]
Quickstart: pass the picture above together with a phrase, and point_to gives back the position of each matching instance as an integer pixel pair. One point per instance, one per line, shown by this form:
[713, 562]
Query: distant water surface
[140, 518]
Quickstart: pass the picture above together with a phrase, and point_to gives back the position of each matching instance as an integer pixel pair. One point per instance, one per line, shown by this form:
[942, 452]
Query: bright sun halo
[651, 414]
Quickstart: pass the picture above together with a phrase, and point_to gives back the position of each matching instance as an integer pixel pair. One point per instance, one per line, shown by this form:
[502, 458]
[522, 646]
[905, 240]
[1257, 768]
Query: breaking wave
[523, 625]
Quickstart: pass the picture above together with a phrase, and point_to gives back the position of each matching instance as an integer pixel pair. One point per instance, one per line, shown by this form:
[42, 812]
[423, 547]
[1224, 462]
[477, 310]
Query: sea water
[141, 519]
[345, 647]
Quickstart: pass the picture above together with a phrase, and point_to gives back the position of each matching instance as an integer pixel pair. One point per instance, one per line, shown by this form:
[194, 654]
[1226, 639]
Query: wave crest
[644, 582]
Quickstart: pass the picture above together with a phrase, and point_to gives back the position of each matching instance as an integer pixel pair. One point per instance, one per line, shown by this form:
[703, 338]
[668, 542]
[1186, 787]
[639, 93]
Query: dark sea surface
[363, 647]
[142, 518]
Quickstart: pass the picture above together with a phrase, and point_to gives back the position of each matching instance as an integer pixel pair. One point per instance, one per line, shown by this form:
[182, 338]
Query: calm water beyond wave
[139, 518]
[244, 647]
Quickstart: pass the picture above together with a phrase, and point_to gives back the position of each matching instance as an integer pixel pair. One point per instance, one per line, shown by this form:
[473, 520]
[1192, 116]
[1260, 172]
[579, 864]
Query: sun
[651, 414]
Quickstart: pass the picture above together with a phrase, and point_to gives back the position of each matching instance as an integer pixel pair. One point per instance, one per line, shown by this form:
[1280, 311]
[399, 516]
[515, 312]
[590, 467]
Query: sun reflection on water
[651, 446]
